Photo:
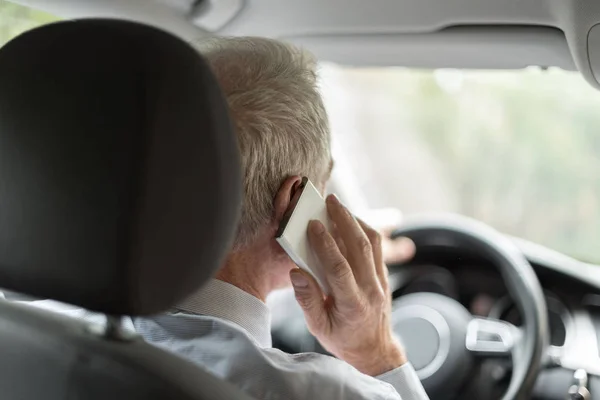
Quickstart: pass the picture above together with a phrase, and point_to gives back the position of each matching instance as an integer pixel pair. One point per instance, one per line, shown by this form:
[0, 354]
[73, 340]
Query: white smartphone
[306, 204]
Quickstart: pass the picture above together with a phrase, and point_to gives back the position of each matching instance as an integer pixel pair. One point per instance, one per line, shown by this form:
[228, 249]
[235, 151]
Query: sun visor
[594, 51]
[476, 47]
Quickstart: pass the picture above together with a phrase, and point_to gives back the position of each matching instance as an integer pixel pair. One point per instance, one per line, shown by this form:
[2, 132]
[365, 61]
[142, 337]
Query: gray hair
[279, 116]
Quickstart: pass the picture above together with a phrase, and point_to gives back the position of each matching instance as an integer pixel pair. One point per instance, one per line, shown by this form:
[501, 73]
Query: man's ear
[284, 196]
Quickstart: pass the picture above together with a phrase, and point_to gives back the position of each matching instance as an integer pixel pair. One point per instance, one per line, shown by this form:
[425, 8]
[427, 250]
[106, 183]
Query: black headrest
[119, 172]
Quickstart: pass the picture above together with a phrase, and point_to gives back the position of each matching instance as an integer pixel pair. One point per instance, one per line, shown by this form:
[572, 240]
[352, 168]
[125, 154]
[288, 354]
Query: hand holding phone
[307, 204]
[353, 322]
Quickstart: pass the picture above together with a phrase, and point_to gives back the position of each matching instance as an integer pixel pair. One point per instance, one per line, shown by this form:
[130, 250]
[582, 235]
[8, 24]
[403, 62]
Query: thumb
[310, 297]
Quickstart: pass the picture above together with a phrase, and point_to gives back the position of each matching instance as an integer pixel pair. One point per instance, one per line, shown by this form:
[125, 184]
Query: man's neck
[257, 271]
[237, 278]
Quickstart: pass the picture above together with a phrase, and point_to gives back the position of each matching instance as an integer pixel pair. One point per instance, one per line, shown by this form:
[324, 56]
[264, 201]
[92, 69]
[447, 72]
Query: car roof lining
[396, 28]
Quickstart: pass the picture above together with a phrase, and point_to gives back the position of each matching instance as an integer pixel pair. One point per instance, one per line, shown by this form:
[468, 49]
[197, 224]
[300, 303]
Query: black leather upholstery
[119, 173]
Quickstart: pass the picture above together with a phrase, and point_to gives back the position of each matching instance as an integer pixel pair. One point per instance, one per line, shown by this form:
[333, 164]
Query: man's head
[281, 123]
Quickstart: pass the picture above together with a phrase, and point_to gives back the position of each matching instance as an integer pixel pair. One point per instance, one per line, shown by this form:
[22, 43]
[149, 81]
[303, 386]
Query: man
[283, 135]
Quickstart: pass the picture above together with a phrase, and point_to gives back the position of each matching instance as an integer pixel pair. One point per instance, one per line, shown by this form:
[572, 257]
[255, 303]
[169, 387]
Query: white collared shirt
[231, 328]
[227, 302]
[227, 331]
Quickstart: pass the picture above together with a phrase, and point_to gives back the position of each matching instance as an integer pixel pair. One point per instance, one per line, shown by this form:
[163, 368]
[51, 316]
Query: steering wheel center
[426, 336]
[433, 330]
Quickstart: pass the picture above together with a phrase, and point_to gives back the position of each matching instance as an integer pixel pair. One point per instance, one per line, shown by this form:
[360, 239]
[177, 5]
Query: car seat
[120, 191]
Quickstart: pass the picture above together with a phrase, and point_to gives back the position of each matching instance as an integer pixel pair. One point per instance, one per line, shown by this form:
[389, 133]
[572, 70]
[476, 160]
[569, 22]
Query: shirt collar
[222, 300]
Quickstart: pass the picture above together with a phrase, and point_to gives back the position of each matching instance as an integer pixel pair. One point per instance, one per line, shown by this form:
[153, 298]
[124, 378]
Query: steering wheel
[443, 340]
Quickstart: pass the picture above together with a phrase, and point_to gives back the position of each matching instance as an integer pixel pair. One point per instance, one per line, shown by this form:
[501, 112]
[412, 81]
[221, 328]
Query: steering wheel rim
[448, 230]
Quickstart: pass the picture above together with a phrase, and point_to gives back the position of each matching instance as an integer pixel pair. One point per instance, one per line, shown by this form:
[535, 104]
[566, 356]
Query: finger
[376, 240]
[387, 231]
[399, 250]
[339, 241]
[358, 247]
[310, 298]
[336, 269]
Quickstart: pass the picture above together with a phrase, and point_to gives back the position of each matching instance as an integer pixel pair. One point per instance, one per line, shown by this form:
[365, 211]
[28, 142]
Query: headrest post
[114, 329]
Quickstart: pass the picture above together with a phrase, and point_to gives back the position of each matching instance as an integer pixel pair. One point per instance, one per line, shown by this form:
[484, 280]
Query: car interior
[501, 301]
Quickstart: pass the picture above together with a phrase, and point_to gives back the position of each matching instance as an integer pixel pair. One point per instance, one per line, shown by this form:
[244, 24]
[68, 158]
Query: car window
[15, 19]
[519, 150]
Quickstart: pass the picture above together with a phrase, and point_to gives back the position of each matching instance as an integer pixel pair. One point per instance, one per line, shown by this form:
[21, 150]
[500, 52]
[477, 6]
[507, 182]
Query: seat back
[119, 192]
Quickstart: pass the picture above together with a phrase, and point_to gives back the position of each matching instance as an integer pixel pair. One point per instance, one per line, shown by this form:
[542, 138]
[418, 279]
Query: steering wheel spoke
[492, 337]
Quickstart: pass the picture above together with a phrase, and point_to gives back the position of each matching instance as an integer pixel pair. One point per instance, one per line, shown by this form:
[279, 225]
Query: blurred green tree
[519, 149]
[15, 19]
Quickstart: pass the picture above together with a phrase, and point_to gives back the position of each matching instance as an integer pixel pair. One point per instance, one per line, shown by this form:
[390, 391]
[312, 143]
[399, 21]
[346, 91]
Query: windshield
[519, 150]
[15, 19]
